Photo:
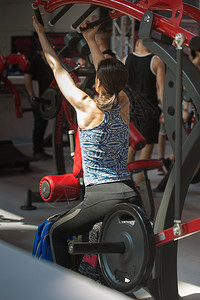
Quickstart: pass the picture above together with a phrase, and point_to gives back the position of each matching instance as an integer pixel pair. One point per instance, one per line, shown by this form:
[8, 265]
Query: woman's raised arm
[89, 36]
[66, 84]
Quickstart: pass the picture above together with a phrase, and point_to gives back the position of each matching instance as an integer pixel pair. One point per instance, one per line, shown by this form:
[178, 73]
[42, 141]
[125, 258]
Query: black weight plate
[49, 111]
[83, 47]
[71, 39]
[129, 271]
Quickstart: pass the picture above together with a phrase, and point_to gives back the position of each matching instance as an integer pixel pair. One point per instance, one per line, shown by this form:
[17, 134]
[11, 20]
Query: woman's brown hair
[113, 76]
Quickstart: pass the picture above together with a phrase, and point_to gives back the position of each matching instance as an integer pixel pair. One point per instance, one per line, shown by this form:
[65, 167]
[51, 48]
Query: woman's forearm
[89, 35]
[50, 54]
[97, 55]
[28, 84]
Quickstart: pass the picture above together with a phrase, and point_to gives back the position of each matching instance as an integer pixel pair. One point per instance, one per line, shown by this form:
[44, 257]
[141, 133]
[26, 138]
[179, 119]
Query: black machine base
[29, 198]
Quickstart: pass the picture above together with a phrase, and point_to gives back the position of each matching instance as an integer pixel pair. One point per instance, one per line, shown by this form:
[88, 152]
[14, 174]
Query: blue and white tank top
[104, 150]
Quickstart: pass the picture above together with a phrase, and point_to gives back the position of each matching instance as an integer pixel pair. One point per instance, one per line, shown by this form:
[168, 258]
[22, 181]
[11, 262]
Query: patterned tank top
[104, 150]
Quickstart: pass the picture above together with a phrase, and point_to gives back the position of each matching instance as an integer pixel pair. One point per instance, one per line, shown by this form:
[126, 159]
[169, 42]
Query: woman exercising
[104, 136]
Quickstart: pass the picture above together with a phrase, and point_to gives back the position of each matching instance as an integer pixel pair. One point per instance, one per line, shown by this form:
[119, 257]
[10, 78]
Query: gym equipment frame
[162, 281]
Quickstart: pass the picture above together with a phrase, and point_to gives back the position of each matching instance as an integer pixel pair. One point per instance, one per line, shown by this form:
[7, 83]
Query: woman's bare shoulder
[123, 98]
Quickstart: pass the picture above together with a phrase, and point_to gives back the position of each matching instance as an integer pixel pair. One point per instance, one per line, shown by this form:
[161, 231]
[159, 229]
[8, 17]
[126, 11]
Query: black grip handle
[95, 23]
[83, 16]
[60, 14]
[38, 14]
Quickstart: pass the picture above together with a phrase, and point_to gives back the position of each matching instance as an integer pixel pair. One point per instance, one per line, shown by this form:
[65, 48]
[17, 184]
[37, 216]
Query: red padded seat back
[77, 166]
[54, 188]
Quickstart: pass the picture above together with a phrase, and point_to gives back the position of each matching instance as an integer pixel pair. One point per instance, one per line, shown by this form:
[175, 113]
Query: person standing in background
[146, 75]
[42, 73]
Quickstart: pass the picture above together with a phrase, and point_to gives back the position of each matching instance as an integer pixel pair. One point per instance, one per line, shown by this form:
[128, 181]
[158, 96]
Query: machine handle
[83, 16]
[95, 23]
[60, 14]
[38, 14]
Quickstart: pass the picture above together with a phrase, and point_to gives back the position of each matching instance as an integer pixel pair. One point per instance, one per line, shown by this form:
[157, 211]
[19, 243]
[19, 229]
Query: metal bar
[188, 10]
[96, 248]
[167, 235]
[178, 133]
[59, 15]
[38, 14]
[95, 23]
[179, 40]
[42, 100]
[83, 16]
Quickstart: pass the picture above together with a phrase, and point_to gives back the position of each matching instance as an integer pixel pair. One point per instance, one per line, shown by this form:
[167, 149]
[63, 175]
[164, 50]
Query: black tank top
[141, 77]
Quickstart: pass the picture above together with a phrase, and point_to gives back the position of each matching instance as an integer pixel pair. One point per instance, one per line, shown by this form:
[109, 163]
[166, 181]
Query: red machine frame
[13, 59]
[168, 26]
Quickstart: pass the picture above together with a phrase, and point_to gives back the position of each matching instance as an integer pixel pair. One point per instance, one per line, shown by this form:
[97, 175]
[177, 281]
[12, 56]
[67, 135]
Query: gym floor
[18, 226]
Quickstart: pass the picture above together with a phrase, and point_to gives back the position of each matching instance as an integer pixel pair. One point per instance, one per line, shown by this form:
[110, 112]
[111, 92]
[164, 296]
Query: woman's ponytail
[113, 76]
[107, 102]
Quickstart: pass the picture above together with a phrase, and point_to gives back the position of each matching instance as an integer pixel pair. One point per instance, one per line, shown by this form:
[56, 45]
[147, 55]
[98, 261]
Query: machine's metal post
[123, 35]
[179, 40]
[57, 142]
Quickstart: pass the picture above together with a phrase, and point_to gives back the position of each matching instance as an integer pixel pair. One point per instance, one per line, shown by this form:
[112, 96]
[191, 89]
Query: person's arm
[66, 84]
[89, 36]
[28, 84]
[159, 69]
[29, 87]
[124, 60]
[185, 111]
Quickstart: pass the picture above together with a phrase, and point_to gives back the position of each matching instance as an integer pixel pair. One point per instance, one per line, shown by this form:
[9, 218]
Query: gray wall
[16, 20]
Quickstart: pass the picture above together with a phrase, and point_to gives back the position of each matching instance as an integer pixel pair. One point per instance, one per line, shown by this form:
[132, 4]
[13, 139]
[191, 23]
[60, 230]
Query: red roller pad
[136, 140]
[62, 187]
[66, 186]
